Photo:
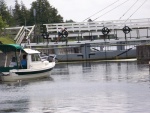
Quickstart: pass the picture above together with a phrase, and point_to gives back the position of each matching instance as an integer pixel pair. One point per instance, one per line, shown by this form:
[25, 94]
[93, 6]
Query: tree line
[40, 12]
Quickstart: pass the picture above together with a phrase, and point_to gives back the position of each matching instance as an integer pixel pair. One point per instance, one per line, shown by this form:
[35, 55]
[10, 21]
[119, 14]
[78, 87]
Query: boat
[11, 70]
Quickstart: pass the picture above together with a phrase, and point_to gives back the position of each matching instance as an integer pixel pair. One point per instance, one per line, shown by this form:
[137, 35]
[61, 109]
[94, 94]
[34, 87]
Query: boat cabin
[12, 55]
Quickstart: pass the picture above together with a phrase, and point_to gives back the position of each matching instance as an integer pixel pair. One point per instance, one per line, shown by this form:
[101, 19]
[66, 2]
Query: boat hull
[16, 76]
[27, 74]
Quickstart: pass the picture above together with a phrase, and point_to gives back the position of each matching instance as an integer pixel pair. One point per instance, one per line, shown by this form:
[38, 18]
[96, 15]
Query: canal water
[82, 87]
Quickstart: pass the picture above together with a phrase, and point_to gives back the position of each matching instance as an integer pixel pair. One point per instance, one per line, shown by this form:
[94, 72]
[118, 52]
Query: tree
[4, 13]
[2, 24]
[17, 13]
[20, 14]
[69, 21]
[55, 17]
[3, 9]
[45, 13]
[24, 15]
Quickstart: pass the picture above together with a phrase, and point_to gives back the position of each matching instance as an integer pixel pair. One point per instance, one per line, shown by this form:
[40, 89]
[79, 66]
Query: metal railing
[24, 33]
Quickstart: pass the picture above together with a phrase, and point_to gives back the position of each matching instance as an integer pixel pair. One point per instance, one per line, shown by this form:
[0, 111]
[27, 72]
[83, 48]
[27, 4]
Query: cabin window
[35, 57]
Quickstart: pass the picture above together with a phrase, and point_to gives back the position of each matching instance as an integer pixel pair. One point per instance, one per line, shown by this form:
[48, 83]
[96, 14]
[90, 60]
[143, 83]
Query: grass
[6, 40]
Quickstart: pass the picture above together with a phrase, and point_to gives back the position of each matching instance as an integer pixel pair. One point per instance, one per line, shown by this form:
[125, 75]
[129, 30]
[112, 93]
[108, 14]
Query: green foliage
[5, 13]
[2, 24]
[20, 15]
[25, 15]
[69, 21]
[45, 13]
[6, 40]
[43, 28]
[17, 13]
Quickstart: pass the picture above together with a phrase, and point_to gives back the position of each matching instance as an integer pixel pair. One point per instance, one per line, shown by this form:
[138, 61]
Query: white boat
[13, 71]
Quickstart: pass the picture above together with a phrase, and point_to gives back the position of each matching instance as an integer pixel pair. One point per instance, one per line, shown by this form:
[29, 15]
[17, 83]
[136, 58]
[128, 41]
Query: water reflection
[83, 87]
[11, 101]
[102, 71]
[86, 67]
[14, 106]
[86, 64]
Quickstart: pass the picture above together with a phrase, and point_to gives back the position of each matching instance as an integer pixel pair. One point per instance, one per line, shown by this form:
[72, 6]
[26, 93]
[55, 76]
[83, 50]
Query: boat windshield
[35, 57]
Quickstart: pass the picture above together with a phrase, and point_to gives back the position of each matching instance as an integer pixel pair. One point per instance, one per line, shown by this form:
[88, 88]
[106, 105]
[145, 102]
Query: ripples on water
[86, 87]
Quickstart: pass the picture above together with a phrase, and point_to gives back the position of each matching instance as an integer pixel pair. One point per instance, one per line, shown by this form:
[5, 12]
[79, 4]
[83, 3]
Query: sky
[79, 10]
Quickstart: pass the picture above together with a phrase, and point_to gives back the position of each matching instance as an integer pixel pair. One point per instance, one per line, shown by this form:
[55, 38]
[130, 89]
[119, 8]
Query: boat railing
[54, 58]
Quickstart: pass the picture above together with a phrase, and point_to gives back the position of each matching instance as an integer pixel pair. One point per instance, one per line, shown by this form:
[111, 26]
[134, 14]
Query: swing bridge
[140, 28]
[88, 40]
[92, 40]
[86, 31]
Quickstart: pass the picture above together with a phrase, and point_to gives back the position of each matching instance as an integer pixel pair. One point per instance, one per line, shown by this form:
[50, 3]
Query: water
[86, 87]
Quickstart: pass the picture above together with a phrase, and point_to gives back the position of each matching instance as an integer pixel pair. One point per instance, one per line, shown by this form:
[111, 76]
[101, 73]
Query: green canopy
[10, 47]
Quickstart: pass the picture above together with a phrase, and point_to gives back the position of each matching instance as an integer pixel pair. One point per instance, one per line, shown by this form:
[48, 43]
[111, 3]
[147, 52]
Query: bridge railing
[95, 27]
[22, 33]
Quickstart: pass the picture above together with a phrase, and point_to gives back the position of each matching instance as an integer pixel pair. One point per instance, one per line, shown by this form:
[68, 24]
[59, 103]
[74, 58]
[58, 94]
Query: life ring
[105, 31]
[126, 29]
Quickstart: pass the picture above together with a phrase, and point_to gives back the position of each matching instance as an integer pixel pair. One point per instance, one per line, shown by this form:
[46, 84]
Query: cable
[136, 10]
[101, 10]
[128, 10]
[111, 10]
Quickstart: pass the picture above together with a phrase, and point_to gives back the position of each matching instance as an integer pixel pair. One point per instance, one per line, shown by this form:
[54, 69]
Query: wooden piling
[143, 54]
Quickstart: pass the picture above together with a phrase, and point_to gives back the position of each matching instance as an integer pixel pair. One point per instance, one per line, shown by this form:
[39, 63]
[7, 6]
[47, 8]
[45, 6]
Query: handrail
[30, 32]
[90, 25]
[21, 37]
[19, 33]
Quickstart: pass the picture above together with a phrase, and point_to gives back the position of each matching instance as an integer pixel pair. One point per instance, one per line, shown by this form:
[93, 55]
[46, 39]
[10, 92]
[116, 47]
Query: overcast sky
[79, 10]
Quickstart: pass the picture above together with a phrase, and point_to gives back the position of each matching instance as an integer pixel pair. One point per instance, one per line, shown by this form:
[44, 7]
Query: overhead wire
[128, 10]
[111, 9]
[135, 11]
[101, 10]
